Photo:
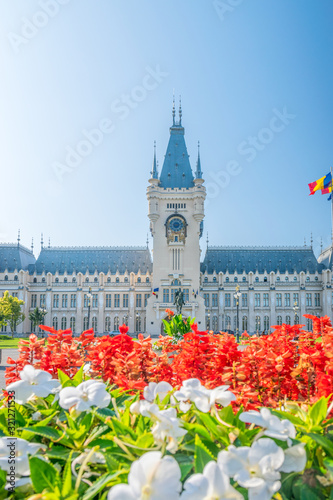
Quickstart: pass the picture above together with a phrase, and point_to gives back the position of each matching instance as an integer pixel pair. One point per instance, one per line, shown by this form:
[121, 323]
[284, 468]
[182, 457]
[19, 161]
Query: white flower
[151, 478]
[33, 383]
[87, 368]
[274, 427]
[36, 416]
[16, 449]
[167, 427]
[255, 468]
[153, 389]
[213, 484]
[204, 399]
[84, 396]
[294, 458]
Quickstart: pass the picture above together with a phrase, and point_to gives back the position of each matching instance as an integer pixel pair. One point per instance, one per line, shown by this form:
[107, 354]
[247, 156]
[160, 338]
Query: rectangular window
[317, 300]
[73, 300]
[147, 295]
[206, 299]
[266, 300]
[257, 300]
[214, 300]
[138, 300]
[165, 295]
[172, 295]
[279, 300]
[287, 299]
[244, 299]
[95, 300]
[227, 300]
[34, 300]
[125, 300]
[64, 301]
[295, 299]
[56, 301]
[117, 300]
[309, 299]
[186, 294]
[108, 300]
[14, 294]
[41, 300]
[85, 301]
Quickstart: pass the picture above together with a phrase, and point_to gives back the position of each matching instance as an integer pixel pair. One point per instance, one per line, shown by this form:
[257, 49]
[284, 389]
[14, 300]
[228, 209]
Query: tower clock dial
[176, 229]
[176, 224]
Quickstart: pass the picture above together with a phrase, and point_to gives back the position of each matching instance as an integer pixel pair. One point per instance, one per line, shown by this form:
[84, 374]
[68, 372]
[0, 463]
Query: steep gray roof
[239, 259]
[176, 171]
[14, 256]
[326, 258]
[100, 259]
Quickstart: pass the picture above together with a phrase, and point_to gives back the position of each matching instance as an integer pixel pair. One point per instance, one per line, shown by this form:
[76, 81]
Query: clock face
[176, 224]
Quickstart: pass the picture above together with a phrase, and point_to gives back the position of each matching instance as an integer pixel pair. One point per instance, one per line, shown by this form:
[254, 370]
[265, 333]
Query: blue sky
[68, 65]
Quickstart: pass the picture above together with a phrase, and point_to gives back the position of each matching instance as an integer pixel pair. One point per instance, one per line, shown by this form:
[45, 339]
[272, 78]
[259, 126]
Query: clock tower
[176, 212]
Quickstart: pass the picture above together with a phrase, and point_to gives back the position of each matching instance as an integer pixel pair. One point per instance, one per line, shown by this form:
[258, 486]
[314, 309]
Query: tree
[37, 316]
[10, 310]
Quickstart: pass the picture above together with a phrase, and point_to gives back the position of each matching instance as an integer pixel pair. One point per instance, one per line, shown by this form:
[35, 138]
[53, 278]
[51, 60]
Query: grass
[9, 343]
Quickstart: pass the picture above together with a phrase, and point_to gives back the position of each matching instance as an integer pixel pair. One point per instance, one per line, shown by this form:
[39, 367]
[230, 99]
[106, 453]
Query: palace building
[108, 286]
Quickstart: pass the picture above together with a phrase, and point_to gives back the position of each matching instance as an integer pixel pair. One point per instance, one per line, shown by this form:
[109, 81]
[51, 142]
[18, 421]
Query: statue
[179, 301]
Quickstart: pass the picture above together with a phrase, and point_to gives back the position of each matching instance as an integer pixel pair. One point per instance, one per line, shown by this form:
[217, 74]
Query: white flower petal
[121, 492]
[294, 459]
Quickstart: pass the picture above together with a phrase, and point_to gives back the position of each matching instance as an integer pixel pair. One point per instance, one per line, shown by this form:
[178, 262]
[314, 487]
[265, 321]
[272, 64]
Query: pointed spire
[304, 241]
[207, 240]
[41, 241]
[198, 172]
[32, 245]
[173, 111]
[49, 242]
[180, 110]
[18, 237]
[321, 245]
[311, 240]
[154, 173]
[147, 240]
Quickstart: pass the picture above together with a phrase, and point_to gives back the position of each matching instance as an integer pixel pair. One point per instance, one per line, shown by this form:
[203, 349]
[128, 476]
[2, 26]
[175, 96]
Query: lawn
[9, 343]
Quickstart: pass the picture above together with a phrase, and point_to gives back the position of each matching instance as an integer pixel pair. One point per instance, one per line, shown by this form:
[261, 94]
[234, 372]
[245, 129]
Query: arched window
[65, 280]
[227, 323]
[215, 324]
[257, 279]
[147, 279]
[295, 278]
[117, 279]
[138, 323]
[125, 320]
[214, 279]
[244, 278]
[116, 324]
[85, 323]
[177, 283]
[227, 279]
[287, 320]
[279, 320]
[87, 279]
[266, 323]
[126, 279]
[94, 324]
[278, 278]
[73, 279]
[208, 322]
[109, 279]
[108, 324]
[72, 324]
[258, 324]
[56, 280]
[15, 277]
[235, 278]
[139, 280]
[244, 323]
[286, 278]
[63, 323]
[308, 278]
[55, 323]
[6, 278]
[265, 279]
[43, 280]
[309, 324]
[296, 319]
[96, 279]
[316, 278]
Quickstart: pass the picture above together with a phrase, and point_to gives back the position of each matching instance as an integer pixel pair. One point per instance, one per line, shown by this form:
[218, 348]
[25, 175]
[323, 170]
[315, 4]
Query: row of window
[262, 299]
[176, 205]
[90, 301]
[169, 294]
[227, 279]
[86, 280]
[212, 323]
[63, 323]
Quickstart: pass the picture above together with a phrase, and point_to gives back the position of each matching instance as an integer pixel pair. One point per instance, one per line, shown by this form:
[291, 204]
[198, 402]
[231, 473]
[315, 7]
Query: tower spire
[154, 173]
[173, 110]
[180, 110]
[207, 240]
[18, 237]
[49, 242]
[41, 241]
[311, 240]
[32, 245]
[198, 172]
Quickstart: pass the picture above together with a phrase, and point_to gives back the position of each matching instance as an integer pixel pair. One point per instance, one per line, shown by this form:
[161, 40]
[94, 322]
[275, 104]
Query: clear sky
[256, 80]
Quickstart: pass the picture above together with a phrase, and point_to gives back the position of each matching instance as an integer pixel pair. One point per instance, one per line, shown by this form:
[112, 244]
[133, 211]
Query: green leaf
[43, 475]
[145, 441]
[197, 429]
[318, 411]
[48, 432]
[201, 455]
[185, 469]
[78, 377]
[323, 442]
[111, 463]
[100, 484]
[63, 378]
[3, 478]
[67, 478]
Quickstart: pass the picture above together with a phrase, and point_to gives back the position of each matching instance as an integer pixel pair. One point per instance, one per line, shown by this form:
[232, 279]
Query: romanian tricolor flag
[155, 291]
[322, 184]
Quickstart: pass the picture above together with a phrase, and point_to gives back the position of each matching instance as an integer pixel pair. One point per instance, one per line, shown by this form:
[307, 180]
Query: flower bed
[206, 422]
